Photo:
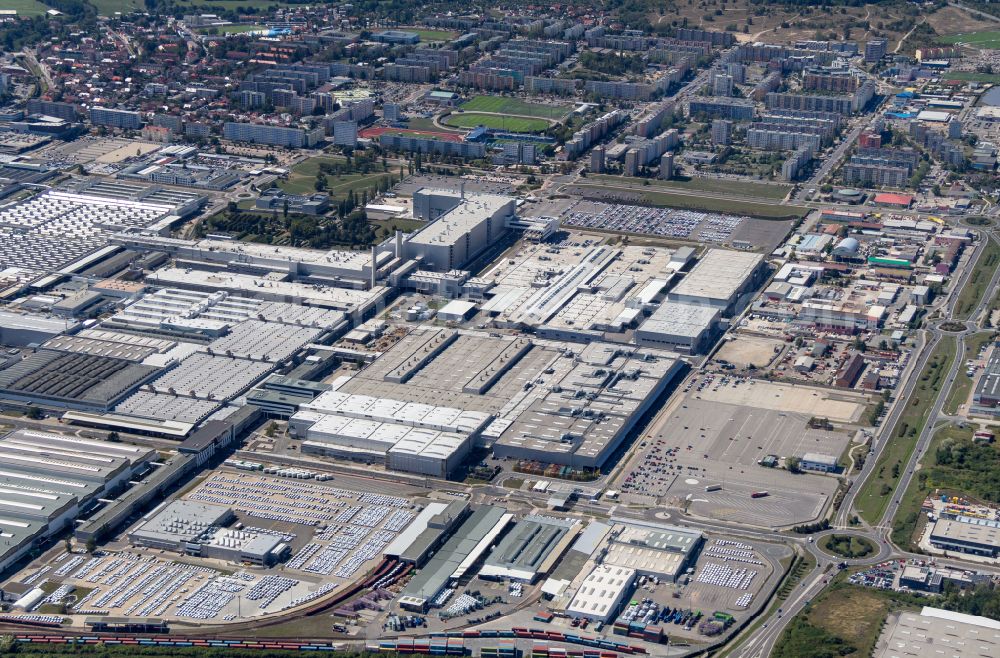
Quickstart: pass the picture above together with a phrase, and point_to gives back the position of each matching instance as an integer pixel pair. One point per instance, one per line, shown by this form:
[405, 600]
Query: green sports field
[231, 29]
[986, 39]
[111, 7]
[501, 105]
[969, 76]
[497, 122]
[24, 7]
[208, 5]
[431, 35]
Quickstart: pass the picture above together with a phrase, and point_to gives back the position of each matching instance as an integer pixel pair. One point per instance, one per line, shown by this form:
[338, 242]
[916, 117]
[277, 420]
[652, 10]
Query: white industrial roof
[718, 275]
[456, 308]
[933, 116]
[678, 319]
[405, 539]
[252, 285]
[468, 214]
[41, 323]
[934, 633]
[601, 589]
[950, 615]
[415, 414]
[819, 458]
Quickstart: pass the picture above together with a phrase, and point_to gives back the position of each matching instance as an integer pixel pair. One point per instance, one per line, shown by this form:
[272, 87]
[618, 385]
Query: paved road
[759, 642]
[923, 442]
[834, 159]
[888, 427]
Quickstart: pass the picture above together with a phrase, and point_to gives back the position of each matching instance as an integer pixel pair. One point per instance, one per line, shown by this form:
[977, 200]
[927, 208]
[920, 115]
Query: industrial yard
[583, 331]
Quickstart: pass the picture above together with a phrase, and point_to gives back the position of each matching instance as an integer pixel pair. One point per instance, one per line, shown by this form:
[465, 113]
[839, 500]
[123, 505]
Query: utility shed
[457, 310]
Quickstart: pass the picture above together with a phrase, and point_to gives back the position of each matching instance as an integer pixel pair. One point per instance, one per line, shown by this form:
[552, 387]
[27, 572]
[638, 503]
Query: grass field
[24, 7]
[310, 167]
[736, 188]
[231, 29]
[497, 122]
[302, 178]
[969, 76]
[230, 4]
[431, 35]
[879, 487]
[932, 477]
[694, 202]
[978, 282]
[110, 7]
[515, 106]
[387, 227]
[337, 185]
[985, 39]
[963, 384]
[843, 620]
[847, 546]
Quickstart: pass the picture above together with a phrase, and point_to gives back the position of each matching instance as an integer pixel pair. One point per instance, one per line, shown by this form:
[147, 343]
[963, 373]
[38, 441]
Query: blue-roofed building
[478, 134]
[396, 36]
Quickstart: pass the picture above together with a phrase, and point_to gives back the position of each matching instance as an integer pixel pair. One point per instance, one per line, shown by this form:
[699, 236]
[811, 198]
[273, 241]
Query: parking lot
[730, 576]
[472, 184]
[134, 583]
[335, 534]
[700, 445]
[340, 533]
[658, 222]
[837, 406]
[94, 149]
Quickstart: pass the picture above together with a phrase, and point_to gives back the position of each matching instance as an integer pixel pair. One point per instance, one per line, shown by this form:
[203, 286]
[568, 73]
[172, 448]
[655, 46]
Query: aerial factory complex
[512, 331]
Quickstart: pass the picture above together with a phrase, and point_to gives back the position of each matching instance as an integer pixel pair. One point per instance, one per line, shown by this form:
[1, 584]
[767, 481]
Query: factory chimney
[399, 243]
[374, 264]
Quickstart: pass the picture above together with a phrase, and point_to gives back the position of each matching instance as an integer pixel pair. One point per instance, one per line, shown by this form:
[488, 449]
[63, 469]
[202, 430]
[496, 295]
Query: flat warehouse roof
[718, 275]
[470, 213]
[678, 319]
[79, 377]
[255, 286]
[583, 411]
[208, 376]
[61, 466]
[9, 320]
[967, 533]
[664, 538]
[934, 633]
[405, 539]
[166, 407]
[181, 520]
[643, 560]
[74, 444]
[600, 590]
